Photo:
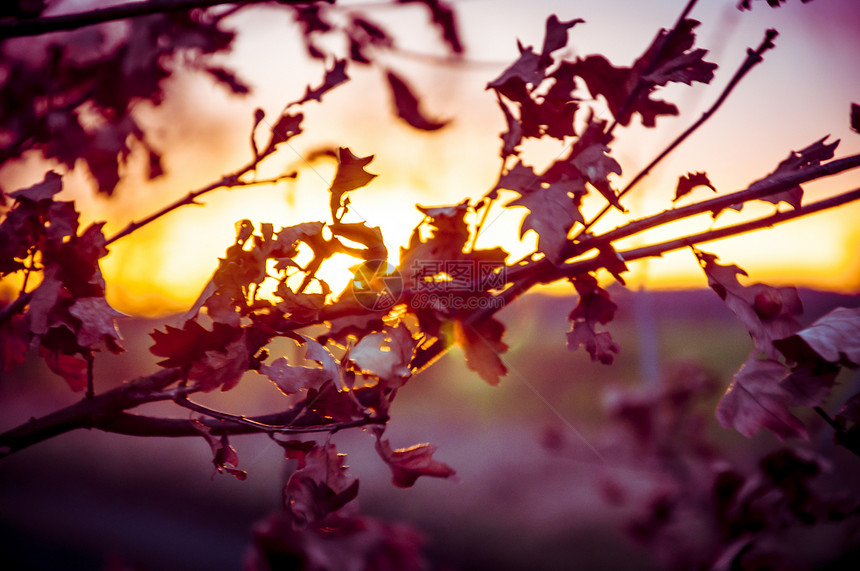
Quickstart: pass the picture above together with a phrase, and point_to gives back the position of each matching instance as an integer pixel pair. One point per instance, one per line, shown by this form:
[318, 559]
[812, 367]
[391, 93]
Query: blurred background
[531, 490]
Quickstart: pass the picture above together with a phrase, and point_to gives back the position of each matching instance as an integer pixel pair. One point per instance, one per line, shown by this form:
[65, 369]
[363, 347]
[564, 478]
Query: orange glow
[204, 134]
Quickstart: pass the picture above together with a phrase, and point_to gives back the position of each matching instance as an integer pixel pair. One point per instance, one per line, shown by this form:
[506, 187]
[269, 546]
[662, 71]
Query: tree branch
[760, 189]
[545, 272]
[88, 412]
[757, 190]
[656, 250]
[66, 22]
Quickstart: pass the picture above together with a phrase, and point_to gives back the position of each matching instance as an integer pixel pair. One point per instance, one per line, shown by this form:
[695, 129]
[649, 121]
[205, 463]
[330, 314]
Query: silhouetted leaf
[689, 181]
[333, 77]
[407, 105]
[350, 175]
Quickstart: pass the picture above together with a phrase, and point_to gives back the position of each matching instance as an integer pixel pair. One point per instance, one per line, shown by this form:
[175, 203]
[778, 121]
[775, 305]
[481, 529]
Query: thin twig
[833, 424]
[238, 419]
[229, 181]
[757, 190]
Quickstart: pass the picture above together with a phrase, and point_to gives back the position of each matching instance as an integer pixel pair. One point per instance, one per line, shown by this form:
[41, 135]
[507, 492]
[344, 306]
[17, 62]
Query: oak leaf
[834, 338]
[689, 181]
[756, 400]
[320, 487]
[182, 347]
[386, 355]
[224, 456]
[482, 344]
[349, 176]
[553, 210]
[360, 232]
[408, 464]
[555, 36]
[290, 379]
[768, 313]
[333, 77]
[444, 17]
[819, 352]
[72, 368]
[511, 138]
[45, 190]
[595, 307]
[596, 165]
[222, 367]
[98, 323]
[807, 157]
[407, 105]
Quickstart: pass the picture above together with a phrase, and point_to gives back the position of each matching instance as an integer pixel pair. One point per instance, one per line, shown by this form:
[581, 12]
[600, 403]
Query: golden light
[163, 267]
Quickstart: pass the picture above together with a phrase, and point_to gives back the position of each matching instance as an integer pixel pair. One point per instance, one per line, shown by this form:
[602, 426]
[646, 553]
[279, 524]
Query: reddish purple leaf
[808, 157]
[834, 338]
[320, 487]
[596, 165]
[408, 464]
[98, 323]
[756, 400]
[290, 379]
[555, 37]
[221, 367]
[552, 213]
[71, 367]
[767, 312]
[595, 308]
[482, 344]
[224, 456]
[386, 355]
[444, 17]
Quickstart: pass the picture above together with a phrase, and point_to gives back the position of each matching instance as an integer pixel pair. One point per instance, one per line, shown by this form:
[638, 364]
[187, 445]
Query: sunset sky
[801, 92]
